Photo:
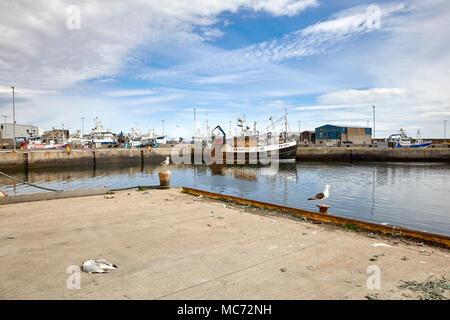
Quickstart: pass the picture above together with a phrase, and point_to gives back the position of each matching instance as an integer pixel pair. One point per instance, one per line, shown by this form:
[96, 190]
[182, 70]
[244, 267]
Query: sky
[136, 63]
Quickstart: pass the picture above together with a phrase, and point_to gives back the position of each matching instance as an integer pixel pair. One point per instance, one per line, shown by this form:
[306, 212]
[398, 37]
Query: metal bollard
[323, 208]
[164, 178]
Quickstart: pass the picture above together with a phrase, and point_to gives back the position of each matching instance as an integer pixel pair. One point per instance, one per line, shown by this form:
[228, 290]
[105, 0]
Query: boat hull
[285, 152]
[414, 146]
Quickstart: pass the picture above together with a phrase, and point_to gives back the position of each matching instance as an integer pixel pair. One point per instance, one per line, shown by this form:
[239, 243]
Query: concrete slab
[170, 245]
[39, 196]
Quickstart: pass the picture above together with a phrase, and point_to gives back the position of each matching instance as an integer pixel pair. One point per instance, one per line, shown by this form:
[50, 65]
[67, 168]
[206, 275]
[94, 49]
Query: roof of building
[345, 126]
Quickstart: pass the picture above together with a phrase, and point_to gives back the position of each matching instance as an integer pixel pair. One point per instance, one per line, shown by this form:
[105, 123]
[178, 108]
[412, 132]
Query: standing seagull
[165, 163]
[323, 195]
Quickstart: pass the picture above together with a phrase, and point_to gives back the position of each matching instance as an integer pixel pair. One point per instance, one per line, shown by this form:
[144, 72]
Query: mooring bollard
[164, 178]
[323, 208]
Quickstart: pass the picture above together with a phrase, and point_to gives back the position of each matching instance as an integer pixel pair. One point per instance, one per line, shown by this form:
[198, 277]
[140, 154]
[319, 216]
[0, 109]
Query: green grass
[351, 226]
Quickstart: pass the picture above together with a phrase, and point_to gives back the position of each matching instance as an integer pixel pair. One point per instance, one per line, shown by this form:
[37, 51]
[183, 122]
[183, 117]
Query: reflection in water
[373, 191]
[403, 194]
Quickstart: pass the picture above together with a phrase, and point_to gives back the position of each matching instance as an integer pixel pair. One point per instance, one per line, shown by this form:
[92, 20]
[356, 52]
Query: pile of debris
[431, 289]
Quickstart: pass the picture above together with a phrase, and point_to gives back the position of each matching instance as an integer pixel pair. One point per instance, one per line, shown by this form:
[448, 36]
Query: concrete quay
[171, 245]
[372, 154]
[30, 159]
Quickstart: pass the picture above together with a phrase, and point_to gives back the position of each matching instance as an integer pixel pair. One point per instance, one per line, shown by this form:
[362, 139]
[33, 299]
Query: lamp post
[373, 122]
[82, 127]
[299, 132]
[14, 120]
[195, 120]
[163, 125]
[445, 130]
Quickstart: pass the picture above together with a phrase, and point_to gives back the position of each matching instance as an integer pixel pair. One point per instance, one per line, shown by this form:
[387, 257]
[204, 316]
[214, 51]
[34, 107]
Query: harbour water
[412, 195]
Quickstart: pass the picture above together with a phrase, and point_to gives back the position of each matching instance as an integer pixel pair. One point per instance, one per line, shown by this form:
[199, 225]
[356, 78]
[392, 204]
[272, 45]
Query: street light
[373, 122]
[82, 127]
[14, 120]
[445, 130]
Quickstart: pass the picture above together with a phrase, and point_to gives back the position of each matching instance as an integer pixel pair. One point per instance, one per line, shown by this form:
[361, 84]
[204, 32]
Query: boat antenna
[285, 122]
[207, 126]
[195, 128]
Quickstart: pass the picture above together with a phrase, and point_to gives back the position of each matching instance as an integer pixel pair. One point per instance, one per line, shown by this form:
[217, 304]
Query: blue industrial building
[337, 135]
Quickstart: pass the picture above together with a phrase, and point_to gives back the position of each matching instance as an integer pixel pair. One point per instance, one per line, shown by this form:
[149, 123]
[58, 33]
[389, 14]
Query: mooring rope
[28, 183]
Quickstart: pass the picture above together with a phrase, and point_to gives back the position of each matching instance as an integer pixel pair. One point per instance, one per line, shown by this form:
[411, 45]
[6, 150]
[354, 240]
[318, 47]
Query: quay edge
[29, 159]
[373, 154]
[389, 230]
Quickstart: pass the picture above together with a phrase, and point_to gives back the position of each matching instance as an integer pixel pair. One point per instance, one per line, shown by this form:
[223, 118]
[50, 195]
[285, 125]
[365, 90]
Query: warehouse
[22, 131]
[336, 135]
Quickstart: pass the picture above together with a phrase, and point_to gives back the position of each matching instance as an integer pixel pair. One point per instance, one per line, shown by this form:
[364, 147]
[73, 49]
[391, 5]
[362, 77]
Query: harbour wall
[87, 157]
[27, 159]
[373, 154]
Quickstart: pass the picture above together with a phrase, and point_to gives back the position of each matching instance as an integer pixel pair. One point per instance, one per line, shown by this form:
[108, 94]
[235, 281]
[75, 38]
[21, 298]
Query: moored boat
[255, 148]
[401, 140]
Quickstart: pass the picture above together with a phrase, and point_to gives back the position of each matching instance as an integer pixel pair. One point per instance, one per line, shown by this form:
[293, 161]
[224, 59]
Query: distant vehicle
[150, 143]
[161, 139]
[135, 142]
[347, 142]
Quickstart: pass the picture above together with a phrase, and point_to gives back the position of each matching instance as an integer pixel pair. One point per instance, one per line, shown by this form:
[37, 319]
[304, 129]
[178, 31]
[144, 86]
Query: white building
[22, 131]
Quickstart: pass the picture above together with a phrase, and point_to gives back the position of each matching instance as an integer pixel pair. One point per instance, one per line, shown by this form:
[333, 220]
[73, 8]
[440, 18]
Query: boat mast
[285, 123]
[195, 119]
[207, 126]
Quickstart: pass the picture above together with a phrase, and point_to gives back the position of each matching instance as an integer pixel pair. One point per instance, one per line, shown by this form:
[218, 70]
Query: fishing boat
[252, 146]
[138, 139]
[101, 136]
[401, 140]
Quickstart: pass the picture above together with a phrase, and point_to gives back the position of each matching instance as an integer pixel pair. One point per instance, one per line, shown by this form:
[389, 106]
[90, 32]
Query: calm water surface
[413, 195]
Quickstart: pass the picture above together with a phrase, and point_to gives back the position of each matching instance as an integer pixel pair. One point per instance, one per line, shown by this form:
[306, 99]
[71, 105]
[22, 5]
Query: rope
[30, 184]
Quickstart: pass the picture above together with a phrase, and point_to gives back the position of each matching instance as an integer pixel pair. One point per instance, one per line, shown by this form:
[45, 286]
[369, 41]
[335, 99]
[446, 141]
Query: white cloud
[39, 51]
[129, 93]
[283, 7]
[6, 91]
[149, 101]
[325, 107]
[322, 36]
[228, 78]
[370, 96]
[257, 61]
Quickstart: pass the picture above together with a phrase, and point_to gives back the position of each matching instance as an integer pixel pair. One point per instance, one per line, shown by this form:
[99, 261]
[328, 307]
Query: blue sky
[140, 62]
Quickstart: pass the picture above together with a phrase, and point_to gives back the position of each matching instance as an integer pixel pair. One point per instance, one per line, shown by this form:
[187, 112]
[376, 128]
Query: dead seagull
[98, 266]
[323, 195]
[165, 162]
